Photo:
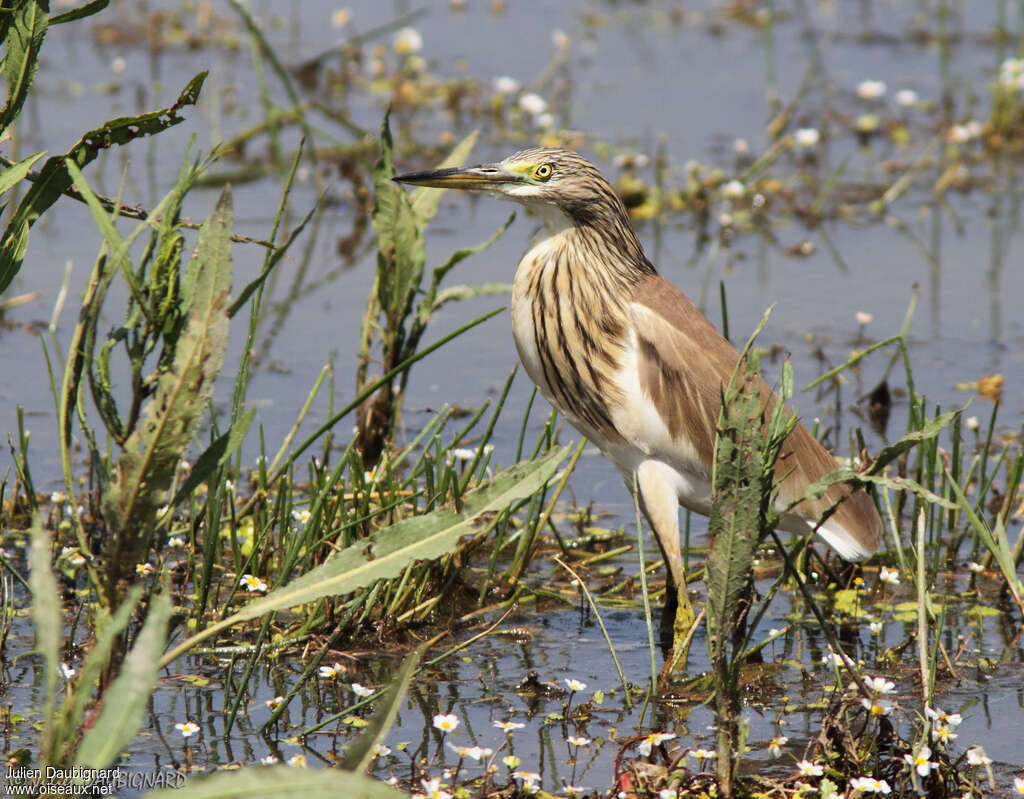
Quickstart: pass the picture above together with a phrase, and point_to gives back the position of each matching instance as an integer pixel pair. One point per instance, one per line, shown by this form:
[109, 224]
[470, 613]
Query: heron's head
[541, 178]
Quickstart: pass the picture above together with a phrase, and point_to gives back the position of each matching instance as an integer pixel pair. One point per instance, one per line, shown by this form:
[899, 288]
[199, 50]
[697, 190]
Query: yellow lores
[628, 359]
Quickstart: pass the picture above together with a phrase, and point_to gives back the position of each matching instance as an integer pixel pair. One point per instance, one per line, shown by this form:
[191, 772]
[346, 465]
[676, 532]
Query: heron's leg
[660, 505]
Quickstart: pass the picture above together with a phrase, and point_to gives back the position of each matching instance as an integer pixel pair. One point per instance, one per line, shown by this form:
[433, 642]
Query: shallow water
[639, 77]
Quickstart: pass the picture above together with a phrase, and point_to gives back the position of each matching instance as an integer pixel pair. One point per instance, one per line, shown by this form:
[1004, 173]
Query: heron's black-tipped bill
[484, 177]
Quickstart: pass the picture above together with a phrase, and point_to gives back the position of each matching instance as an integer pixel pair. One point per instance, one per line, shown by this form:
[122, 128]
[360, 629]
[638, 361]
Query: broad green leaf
[931, 429]
[400, 253]
[844, 474]
[183, 391]
[83, 11]
[389, 551]
[425, 200]
[361, 751]
[281, 782]
[23, 41]
[16, 172]
[125, 701]
[53, 179]
[47, 618]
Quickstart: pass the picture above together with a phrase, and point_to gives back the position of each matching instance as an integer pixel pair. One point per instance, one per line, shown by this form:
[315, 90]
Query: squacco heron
[629, 360]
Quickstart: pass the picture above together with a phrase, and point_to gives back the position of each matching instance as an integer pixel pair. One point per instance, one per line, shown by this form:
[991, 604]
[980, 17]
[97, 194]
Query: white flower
[297, 761]
[574, 684]
[870, 785]
[1018, 785]
[433, 789]
[407, 41]
[142, 569]
[807, 138]
[527, 776]
[446, 722]
[301, 516]
[545, 120]
[269, 760]
[863, 317]
[920, 761]
[832, 659]
[871, 89]
[880, 686]
[67, 671]
[878, 707]
[942, 717]
[274, 703]
[332, 672]
[478, 753]
[972, 423]
[511, 761]
[508, 726]
[808, 768]
[253, 584]
[506, 85]
[876, 627]
[533, 103]
[572, 790]
[668, 793]
[462, 454]
[652, 740]
[976, 757]
[906, 97]
[176, 542]
[704, 754]
[889, 576]
[187, 729]
[733, 190]
[578, 741]
[776, 744]
[362, 692]
[943, 734]
[560, 39]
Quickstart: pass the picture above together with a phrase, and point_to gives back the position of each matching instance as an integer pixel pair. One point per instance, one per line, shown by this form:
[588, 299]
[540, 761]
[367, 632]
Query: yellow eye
[543, 172]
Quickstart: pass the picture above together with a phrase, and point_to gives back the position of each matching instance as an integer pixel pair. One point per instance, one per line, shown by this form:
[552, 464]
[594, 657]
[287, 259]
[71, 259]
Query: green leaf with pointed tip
[281, 782]
[183, 391]
[426, 200]
[53, 179]
[30, 19]
[125, 701]
[16, 172]
[389, 551]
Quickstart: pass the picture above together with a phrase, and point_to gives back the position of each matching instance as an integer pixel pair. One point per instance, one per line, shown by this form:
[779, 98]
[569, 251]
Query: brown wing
[684, 364]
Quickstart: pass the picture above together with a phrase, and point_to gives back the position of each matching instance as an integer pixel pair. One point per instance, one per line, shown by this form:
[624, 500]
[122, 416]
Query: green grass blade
[215, 455]
[389, 551]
